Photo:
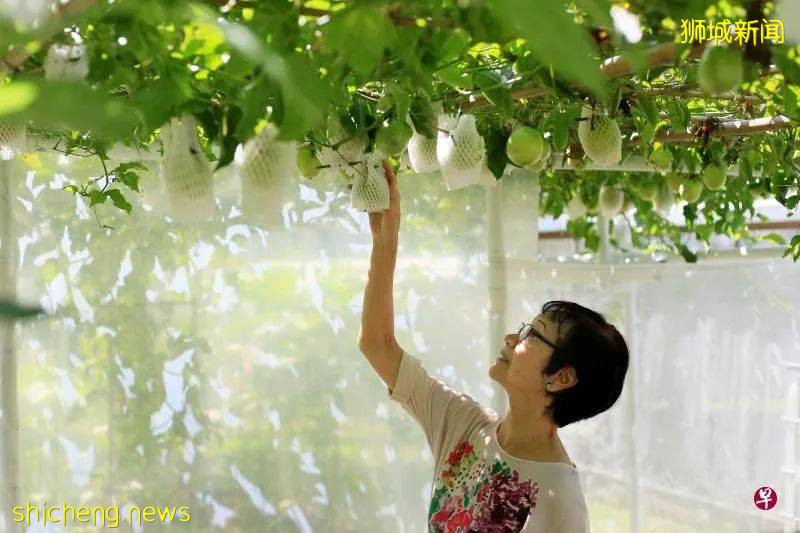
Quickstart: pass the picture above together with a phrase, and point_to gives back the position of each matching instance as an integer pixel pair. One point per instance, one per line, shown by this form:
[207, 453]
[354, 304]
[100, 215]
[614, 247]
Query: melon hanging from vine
[186, 171]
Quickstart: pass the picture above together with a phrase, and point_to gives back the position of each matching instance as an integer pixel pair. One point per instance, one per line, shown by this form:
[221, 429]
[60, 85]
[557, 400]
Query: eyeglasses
[527, 329]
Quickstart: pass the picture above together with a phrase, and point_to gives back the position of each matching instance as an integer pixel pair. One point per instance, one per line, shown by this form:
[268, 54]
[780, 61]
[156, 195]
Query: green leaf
[119, 200]
[125, 174]
[229, 140]
[688, 256]
[97, 197]
[560, 130]
[648, 108]
[70, 105]
[253, 103]
[493, 89]
[11, 310]
[16, 97]
[554, 39]
[422, 117]
[774, 237]
[496, 158]
[598, 10]
[455, 77]
[360, 36]
[402, 100]
[305, 98]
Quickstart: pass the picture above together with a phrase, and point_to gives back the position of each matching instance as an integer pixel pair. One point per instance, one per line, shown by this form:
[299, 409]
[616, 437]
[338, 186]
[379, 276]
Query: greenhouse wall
[215, 365]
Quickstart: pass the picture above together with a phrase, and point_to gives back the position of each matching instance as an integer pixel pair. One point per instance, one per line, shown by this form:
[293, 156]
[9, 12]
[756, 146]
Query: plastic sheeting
[215, 365]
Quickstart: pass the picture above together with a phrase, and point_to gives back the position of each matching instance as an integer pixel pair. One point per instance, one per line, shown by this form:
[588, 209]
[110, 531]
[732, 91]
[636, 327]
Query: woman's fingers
[394, 193]
[390, 175]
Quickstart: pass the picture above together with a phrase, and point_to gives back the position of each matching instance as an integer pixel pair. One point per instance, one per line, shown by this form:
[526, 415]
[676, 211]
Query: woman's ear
[564, 379]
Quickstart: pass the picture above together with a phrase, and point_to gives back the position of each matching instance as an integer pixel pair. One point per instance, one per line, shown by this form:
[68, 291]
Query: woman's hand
[385, 225]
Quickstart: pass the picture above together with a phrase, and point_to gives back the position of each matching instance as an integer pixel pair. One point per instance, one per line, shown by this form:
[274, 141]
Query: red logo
[765, 498]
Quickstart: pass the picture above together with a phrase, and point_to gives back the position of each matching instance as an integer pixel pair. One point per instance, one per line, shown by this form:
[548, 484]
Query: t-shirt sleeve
[440, 410]
[559, 511]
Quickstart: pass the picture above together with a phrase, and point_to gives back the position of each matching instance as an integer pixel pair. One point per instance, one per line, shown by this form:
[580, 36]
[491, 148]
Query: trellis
[498, 261]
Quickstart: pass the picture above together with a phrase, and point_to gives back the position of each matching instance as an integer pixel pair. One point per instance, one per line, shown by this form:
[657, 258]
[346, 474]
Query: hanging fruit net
[600, 137]
[266, 168]
[12, 139]
[344, 150]
[460, 151]
[66, 62]
[370, 190]
[422, 153]
[186, 171]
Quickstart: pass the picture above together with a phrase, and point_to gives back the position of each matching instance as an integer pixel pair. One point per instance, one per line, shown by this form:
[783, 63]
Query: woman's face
[526, 359]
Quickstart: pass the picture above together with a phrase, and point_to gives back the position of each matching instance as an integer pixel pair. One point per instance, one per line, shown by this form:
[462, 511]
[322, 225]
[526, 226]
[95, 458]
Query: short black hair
[598, 353]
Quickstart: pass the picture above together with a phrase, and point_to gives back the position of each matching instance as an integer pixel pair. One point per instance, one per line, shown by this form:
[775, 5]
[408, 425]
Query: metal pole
[605, 245]
[535, 191]
[9, 420]
[497, 278]
[630, 412]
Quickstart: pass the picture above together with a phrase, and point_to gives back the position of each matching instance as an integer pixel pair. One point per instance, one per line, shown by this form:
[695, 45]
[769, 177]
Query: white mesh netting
[600, 137]
[421, 151]
[611, 200]
[575, 207]
[66, 62]
[664, 200]
[266, 167]
[13, 136]
[344, 149]
[460, 151]
[186, 171]
[370, 190]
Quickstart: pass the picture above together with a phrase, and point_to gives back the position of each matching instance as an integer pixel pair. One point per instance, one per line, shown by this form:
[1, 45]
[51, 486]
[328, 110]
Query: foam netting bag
[348, 149]
[600, 137]
[12, 138]
[370, 190]
[266, 167]
[66, 62]
[186, 171]
[459, 151]
[421, 151]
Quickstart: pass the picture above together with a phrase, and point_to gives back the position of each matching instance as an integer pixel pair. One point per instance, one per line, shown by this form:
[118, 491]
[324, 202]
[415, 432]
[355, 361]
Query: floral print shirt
[477, 486]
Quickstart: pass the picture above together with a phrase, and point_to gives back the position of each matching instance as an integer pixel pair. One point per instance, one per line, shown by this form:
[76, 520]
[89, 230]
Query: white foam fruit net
[370, 190]
[600, 137]
[347, 149]
[459, 151]
[421, 152]
[13, 135]
[186, 171]
[66, 62]
[575, 207]
[266, 168]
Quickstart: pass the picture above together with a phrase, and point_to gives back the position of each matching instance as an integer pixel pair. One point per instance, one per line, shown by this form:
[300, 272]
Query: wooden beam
[732, 128]
[754, 226]
[657, 56]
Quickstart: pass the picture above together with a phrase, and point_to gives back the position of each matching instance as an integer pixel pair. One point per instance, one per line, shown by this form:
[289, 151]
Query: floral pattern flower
[473, 496]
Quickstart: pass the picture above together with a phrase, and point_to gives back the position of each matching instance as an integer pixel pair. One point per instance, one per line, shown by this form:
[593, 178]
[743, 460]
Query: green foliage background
[233, 64]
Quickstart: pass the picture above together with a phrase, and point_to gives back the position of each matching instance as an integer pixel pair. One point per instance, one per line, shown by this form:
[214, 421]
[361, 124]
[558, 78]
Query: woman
[492, 473]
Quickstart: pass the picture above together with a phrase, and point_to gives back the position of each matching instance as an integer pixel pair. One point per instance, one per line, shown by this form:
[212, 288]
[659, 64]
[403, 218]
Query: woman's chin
[497, 368]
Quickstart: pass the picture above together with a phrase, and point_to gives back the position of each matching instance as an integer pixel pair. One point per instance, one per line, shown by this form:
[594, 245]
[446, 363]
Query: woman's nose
[511, 340]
